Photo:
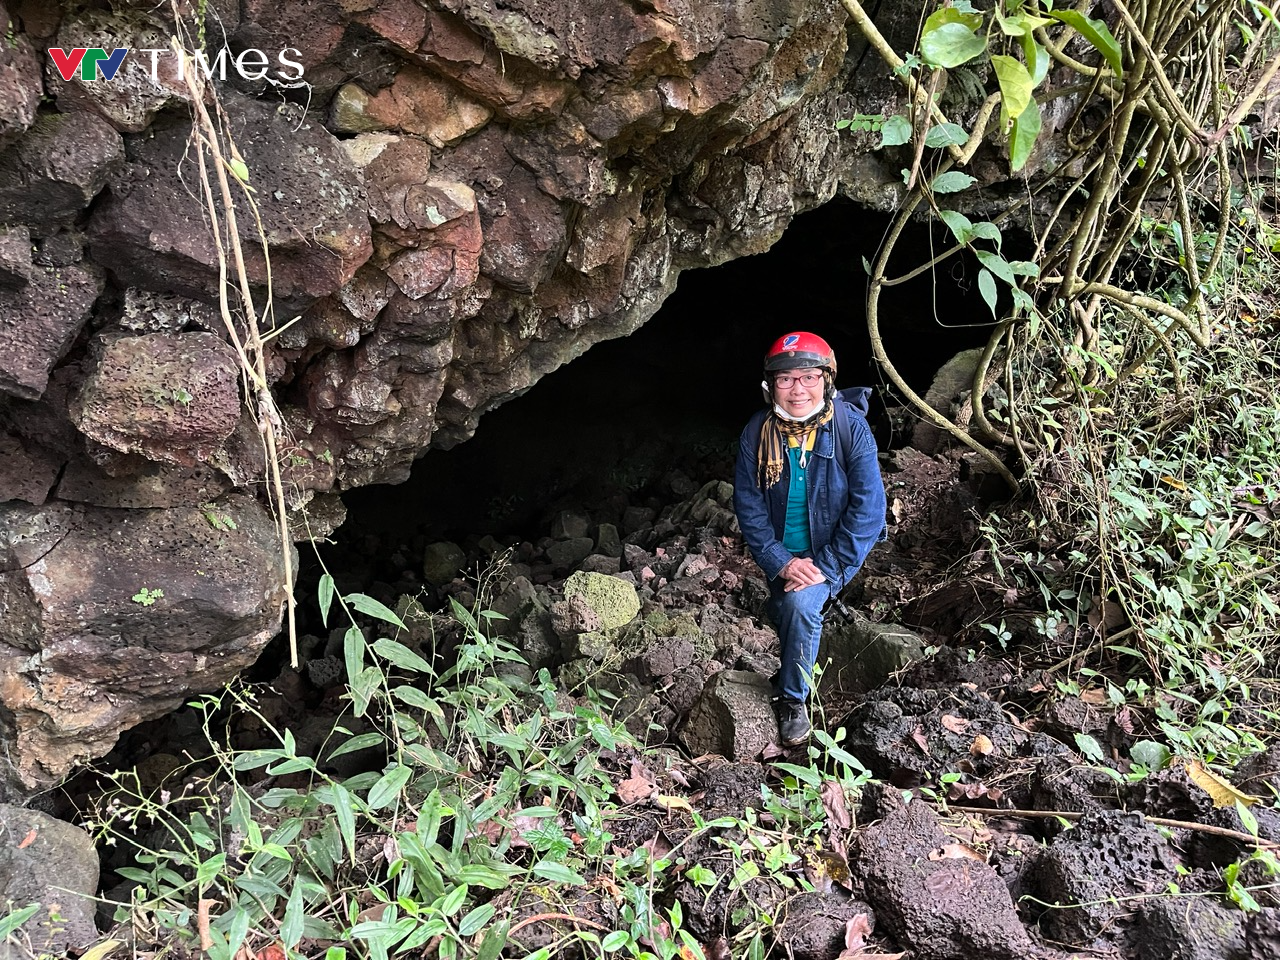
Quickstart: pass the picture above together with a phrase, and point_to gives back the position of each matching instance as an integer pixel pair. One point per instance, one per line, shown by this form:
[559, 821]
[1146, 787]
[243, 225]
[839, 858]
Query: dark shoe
[793, 723]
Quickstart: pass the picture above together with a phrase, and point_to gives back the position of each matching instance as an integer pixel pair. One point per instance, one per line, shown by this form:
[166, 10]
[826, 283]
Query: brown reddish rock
[20, 84]
[171, 397]
[514, 87]
[58, 166]
[15, 257]
[152, 231]
[416, 102]
[38, 322]
[937, 903]
[130, 101]
[113, 617]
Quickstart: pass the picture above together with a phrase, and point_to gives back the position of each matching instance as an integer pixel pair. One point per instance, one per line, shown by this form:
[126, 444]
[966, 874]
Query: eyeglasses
[784, 381]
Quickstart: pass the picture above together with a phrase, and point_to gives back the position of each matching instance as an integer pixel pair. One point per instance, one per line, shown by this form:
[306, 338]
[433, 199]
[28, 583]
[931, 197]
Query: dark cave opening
[632, 409]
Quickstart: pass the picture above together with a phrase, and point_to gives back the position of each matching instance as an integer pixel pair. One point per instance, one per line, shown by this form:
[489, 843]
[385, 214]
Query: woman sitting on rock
[810, 502]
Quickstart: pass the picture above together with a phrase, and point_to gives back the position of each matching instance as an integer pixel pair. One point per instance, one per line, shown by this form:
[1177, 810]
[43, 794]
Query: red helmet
[800, 349]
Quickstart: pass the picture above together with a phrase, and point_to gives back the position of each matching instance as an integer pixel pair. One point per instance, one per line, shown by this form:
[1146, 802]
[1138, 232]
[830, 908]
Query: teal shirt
[795, 534]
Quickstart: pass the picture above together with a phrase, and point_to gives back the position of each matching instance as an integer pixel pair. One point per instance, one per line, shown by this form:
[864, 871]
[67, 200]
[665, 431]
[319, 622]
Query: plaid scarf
[775, 433]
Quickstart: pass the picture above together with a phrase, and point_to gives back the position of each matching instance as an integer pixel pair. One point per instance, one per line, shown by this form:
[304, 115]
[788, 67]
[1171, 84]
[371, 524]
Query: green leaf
[486, 875]
[402, 656]
[986, 230]
[1025, 268]
[16, 919]
[961, 226]
[360, 742]
[1089, 748]
[952, 181]
[252, 759]
[294, 765]
[1037, 58]
[417, 698]
[1097, 33]
[896, 131]
[557, 872]
[474, 921]
[495, 938]
[353, 651]
[950, 38]
[374, 608]
[294, 914]
[946, 135]
[1152, 755]
[701, 876]
[987, 287]
[363, 687]
[615, 941]
[325, 591]
[454, 900]
[1015, 86]
[1247, 818]
[342, 808]
[387, 789]
[1022, 301]
[997, 265]
[1022, 139]
[239, 929]
[1019, 24]
[803, 774]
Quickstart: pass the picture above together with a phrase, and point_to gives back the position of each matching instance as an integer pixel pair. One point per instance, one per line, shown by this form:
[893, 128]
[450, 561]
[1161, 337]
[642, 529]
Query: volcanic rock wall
[461, 197]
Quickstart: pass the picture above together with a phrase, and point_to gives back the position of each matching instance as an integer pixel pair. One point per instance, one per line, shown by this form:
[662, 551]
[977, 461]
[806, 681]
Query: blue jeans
[797, 616]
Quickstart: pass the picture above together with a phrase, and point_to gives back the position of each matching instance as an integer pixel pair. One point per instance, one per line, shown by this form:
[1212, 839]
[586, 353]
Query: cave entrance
[664, 406]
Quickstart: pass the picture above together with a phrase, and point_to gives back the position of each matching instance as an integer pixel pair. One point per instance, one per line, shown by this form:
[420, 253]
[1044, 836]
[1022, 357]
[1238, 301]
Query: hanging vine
[1159, 79]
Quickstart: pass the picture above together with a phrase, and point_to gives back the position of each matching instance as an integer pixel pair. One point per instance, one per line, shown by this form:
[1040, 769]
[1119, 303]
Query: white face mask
[777, 408]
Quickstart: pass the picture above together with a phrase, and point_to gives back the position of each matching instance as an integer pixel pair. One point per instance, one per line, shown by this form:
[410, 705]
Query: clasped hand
[801, 572]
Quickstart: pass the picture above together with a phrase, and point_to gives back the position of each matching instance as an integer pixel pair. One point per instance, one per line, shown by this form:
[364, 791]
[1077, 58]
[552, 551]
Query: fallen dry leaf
[956, 851]
[272, 951]
[1223, 793]
[837, 807]
[918, 736]
[635, 789]
[659, 846]
[672, 803]
[100, 950]
[390, 849]
[1124, 719]
[29, 839]
[974, 791]
[981, 746]
[954, 724]
[856, 932]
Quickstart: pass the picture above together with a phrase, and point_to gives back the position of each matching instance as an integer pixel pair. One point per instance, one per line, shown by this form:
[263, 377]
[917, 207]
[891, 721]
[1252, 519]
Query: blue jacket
[846, 501]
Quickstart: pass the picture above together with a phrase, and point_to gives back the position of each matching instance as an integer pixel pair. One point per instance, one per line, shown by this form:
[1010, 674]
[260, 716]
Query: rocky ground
[985, 833]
